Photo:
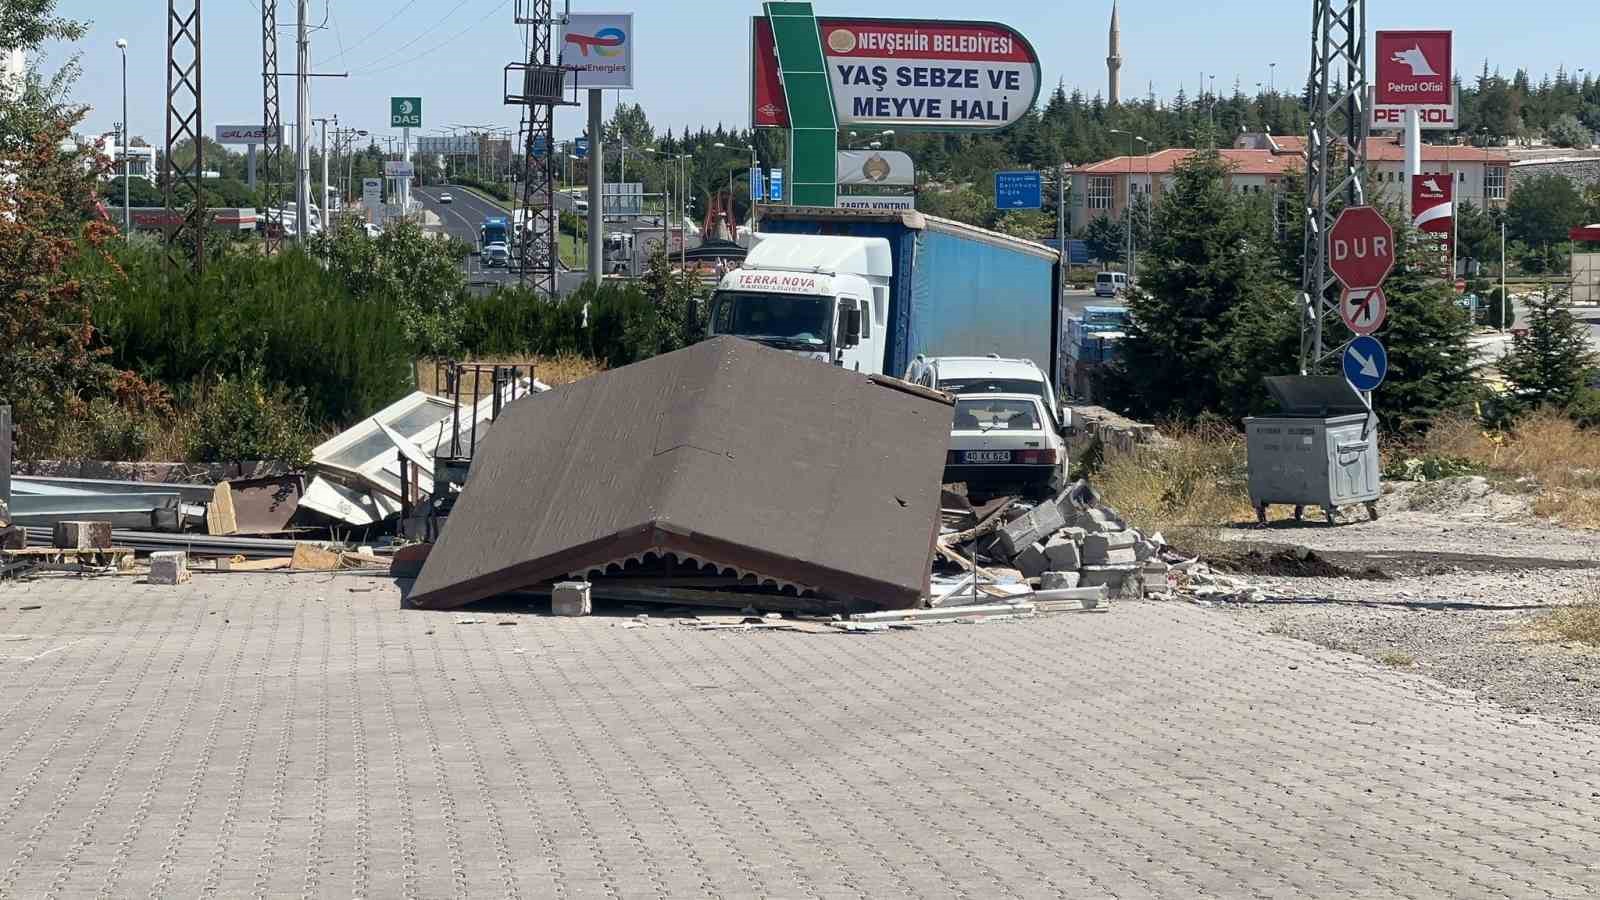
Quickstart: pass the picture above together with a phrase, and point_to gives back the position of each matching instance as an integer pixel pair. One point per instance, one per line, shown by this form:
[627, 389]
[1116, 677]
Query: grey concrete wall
[1583, 172]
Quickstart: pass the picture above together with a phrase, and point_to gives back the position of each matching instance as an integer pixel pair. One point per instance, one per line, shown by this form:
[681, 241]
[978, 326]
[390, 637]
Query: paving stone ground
[275, 735]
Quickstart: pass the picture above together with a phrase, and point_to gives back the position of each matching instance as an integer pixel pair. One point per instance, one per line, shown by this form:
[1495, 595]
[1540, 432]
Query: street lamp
[122, 138]
[1127, 211]
[754, 163]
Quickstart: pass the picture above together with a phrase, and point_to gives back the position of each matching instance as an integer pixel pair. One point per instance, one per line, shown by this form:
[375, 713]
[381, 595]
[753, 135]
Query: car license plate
[986, 456]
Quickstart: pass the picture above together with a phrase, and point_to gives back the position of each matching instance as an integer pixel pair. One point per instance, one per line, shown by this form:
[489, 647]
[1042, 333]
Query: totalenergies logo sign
[597, 49]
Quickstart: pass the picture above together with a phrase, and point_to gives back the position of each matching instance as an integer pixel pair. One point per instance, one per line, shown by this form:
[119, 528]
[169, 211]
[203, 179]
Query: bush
[284, 314]
[496, 189]
[242, 418]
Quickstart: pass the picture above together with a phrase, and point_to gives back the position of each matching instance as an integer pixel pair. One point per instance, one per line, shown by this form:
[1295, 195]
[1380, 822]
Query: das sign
[1361, 248]
[1414, 68]
[899, 73]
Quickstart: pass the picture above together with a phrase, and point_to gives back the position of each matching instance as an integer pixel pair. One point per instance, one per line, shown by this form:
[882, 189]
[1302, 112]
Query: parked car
[496, 255]
[990, 374]
[446, 197]
[1110, 284]
[1003, 443]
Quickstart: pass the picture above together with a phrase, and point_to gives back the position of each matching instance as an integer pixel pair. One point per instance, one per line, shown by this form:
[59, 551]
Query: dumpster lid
[1315, 395]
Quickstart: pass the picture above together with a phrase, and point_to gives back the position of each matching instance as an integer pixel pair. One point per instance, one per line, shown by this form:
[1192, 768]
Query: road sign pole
[597, 174]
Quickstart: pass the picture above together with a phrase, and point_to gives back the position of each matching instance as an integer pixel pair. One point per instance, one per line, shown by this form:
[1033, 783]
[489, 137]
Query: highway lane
[461, 219]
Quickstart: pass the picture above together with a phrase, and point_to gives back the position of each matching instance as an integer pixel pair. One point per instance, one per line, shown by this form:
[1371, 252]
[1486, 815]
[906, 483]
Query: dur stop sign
[1361, 248]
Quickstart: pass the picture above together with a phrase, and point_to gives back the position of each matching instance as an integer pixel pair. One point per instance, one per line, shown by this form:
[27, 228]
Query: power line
[373, 33]
[436, 47]
[426, 32]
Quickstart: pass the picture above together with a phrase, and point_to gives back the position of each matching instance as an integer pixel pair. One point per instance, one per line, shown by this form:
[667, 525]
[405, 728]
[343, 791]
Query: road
[461, 219]
[279, 735]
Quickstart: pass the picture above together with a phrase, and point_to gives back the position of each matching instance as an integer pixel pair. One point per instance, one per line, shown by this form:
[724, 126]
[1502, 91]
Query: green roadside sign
[405, 112]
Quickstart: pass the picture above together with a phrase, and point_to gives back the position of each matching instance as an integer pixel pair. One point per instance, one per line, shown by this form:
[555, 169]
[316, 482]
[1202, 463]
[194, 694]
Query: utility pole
[597, 175]
[327, 205]
[302, 118]
[185, 232]
[1336, 160]
[271, 120]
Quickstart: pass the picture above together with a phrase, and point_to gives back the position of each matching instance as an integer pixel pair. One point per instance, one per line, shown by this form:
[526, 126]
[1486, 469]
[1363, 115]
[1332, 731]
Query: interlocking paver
[272, 735]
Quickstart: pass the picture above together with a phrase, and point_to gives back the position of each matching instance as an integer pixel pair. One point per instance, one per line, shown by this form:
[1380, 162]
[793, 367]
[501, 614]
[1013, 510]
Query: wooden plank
[311, 558]
[220, 517]
[253, 565]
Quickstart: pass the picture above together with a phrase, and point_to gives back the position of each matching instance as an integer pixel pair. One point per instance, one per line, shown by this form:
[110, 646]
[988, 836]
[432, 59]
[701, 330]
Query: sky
[692, 56]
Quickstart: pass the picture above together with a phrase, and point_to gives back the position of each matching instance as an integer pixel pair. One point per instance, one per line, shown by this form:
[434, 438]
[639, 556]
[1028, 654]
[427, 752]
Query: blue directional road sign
[580, 148]
[758, 186]
[1365, 363]
[776, 186]
[1018, 190]
[540, 148]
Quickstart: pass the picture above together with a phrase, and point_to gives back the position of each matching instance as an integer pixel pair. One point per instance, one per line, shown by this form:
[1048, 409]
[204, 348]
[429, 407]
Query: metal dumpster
[1321, 449]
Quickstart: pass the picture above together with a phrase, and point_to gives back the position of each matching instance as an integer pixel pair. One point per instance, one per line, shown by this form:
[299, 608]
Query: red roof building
[1261, 163]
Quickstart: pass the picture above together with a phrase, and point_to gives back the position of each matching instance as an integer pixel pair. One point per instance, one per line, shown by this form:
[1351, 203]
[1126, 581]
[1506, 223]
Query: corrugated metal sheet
[726, 452]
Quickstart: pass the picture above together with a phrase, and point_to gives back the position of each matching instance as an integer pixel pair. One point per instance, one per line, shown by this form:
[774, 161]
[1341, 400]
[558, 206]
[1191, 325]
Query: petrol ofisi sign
[910, 73]
[1414, 68]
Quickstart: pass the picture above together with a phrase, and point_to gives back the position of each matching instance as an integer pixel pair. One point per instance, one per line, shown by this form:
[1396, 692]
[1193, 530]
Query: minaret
[1114, 60]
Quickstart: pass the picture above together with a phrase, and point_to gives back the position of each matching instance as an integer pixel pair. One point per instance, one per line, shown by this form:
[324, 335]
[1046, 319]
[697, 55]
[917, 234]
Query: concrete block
[1111, 576]
[169, 567]
[571, 598]
[1073, 534]
[1096, 521]
[1059, 581]
[1063, 554]
[1096, 544]
[82, 535]
[1032, 562]
[1029, 528]
[1122, 556]
[1145, 550]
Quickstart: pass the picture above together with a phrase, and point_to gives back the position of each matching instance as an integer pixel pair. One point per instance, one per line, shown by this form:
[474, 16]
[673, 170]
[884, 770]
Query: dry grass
[1571, 624]
[1562, 459]
[552, 370]
[1398, 659]
[1187, 489]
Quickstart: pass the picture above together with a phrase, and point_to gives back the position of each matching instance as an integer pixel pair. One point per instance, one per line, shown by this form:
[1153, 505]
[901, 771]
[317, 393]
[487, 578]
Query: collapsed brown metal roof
[726, 452]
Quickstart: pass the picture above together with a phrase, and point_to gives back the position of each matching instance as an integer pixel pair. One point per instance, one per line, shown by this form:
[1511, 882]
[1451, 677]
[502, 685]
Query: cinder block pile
[1074, 541]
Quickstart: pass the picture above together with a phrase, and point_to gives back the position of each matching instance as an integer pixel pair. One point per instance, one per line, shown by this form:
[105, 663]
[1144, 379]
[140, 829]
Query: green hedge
[284, 315]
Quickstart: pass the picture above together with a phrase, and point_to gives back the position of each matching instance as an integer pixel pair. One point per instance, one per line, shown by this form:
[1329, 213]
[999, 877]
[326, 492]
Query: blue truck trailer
[873, 289]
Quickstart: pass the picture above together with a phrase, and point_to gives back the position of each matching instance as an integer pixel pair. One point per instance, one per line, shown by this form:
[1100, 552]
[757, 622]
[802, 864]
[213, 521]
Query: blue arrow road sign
[580, 148]
[1365, 363]
[1018, 190]
[758, 186]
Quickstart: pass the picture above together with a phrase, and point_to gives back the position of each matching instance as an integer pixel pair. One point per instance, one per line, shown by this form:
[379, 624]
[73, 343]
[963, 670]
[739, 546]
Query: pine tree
[1551, 363]
[1209, 318]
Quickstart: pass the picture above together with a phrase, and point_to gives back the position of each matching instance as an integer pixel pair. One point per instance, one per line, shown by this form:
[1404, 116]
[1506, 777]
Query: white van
[1110, 284]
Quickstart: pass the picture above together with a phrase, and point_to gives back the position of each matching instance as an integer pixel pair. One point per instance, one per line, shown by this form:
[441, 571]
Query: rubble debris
[945, 614]
[1059, 581]
[240, 564]
[690, 463]
[74, 534]
[311, 558]
[571, 598]
[1021, 533]
[27, 561]
[169, 567]
[255, 506]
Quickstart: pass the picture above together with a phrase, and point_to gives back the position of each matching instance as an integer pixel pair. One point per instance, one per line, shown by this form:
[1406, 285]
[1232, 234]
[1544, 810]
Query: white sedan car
[1002, 443]
[446, 197]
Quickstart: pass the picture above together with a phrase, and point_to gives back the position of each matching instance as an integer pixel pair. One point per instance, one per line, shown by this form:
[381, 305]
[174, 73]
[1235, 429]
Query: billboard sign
[597, 50]
[452, 145]
[248, 134]
[909, 73]
[1392, 116]
[1432, 203]
[405, 112]
[622, 199]
[396, 168]
[873, 167]
[372, 195]
[882, 201]
[1414, 68]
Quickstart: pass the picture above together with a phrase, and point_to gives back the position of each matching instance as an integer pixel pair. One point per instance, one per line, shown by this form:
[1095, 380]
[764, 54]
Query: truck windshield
[785, 320]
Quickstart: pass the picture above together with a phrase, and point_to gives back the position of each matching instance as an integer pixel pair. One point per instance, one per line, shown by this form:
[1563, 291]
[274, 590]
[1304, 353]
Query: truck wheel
[1330, 512]
[1372, 510]
[1261, 514]
[1299, 513]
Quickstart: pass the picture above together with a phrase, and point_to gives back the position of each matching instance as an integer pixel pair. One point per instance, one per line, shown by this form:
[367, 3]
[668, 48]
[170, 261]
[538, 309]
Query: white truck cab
[822, 296]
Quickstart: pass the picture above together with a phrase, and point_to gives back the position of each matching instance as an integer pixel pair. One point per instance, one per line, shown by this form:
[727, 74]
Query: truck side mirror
[852, 327]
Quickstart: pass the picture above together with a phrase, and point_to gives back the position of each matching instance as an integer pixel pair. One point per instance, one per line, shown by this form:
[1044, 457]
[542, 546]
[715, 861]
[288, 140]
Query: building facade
[1263, 163]
[141, 161]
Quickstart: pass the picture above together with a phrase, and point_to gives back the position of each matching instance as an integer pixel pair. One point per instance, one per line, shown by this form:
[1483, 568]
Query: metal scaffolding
[537, 84]
[185, 228]
[1336, 161]
[272, 122]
